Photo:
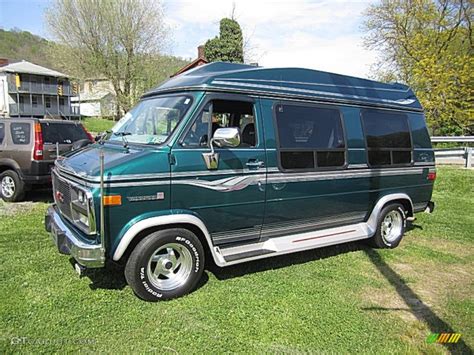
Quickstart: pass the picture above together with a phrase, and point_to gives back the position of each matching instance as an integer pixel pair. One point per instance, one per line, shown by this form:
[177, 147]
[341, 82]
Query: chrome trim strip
[250, 177]
[314, 92]
[314, 84]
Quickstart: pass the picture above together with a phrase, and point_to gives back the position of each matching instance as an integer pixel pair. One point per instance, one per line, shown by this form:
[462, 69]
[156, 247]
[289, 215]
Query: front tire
[166, 264]
[390, 227]
[12, 189]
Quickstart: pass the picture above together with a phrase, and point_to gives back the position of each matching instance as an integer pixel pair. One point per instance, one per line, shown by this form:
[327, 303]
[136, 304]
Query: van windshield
[151, 121]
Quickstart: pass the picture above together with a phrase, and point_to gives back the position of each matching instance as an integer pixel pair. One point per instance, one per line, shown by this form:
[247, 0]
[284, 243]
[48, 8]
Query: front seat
[248, 135]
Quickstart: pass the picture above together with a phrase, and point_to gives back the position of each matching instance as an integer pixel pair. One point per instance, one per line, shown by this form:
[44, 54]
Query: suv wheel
[12, 189]
[165, 264]
[390, 227]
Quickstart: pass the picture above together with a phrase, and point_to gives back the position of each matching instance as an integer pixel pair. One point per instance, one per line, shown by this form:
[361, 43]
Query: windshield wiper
[124, 140]
[103, 135]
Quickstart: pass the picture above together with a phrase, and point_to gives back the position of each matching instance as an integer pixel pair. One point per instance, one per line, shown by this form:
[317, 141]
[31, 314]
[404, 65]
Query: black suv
[28, 148]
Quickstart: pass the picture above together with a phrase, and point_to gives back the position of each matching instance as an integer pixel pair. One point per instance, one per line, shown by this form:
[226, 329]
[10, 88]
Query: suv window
[387, 136]
[309, 137]
[62, 133]
[222, 114]
[20, 133]
[2, 132]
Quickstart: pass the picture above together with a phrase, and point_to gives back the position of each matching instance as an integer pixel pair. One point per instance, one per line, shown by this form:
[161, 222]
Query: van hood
[118, 161]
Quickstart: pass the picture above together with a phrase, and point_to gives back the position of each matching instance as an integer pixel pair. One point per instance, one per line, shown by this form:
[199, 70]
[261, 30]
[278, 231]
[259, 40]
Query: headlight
[81, 197]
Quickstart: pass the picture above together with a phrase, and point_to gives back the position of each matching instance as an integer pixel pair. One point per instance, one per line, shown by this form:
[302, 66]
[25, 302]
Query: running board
[292, 243]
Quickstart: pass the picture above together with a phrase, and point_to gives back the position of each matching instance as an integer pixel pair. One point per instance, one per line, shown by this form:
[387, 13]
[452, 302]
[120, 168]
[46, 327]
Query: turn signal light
[112, 200]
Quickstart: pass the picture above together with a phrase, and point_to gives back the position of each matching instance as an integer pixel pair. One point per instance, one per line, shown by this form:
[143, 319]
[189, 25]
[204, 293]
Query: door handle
[255, 164]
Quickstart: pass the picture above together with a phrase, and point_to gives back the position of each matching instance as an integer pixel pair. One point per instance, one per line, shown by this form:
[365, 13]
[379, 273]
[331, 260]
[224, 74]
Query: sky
[322, 35]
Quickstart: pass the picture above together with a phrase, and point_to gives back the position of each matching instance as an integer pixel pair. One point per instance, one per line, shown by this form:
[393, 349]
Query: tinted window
[62, 133]
[20, 133]
[309, 137]
[223, 114]
[309, 127]
[2, 132]
[387, 136]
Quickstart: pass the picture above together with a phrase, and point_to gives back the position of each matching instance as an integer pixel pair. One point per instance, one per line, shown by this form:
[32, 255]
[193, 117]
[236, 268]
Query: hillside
[23, 45]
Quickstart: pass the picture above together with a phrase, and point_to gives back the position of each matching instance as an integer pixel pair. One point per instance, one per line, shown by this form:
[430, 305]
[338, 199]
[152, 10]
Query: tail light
[88, 134]
[431, 175]
[38, 147]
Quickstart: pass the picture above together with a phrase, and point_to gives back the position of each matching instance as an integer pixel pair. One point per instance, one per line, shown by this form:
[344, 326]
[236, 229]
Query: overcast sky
[323, 35]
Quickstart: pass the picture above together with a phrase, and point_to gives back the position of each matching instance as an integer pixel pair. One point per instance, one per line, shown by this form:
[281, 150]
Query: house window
[47, 102]
[221, 114]
[387, 136]
[61, 101]
[2, 132]
[309, 137]
[34, 100]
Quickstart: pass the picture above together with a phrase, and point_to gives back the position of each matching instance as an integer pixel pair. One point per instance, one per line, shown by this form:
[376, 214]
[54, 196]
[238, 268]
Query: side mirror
[226, 137]
[223, 137]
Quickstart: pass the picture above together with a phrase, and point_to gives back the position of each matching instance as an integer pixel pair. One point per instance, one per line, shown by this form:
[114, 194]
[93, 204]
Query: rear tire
[390, 227]
[166, 264]
[12, 188]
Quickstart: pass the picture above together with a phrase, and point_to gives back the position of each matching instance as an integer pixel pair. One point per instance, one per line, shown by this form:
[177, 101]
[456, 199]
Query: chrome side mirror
[226, 137]
[223, 137]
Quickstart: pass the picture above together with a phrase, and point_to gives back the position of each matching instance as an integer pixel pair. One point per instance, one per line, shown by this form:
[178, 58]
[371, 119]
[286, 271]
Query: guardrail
[460, 156]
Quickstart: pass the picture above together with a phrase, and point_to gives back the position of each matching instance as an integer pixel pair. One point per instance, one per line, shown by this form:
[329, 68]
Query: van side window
[387, 136]
[309, 137]
[2, 132]
[20, 133]
[222, 114]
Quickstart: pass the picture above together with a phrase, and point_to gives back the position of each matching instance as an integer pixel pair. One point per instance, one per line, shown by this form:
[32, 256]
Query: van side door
[230, 199]
[308, 185]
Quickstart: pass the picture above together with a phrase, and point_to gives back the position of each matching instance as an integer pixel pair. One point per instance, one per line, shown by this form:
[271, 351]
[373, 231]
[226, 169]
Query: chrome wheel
[8, 187]
[170, 266]
[392, 226]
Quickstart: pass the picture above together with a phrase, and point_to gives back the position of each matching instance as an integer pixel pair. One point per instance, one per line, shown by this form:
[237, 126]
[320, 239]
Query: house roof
[195, 63]
[93, 96]
[30, 68]
[291, 83]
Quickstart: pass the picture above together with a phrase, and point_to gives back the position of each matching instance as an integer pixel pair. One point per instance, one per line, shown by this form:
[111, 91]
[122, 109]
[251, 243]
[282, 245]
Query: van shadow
[414, 303]
[112, 277]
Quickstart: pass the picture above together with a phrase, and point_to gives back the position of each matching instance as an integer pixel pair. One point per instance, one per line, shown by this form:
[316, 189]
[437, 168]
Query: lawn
[96, 125]
[347, 298]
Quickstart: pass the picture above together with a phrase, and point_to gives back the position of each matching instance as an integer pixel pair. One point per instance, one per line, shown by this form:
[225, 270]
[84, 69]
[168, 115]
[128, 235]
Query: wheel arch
[401, 198]
[9, 164]
[149, 225]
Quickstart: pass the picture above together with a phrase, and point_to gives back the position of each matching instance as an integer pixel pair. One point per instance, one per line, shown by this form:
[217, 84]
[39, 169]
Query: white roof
[30, 68]
[91, 96]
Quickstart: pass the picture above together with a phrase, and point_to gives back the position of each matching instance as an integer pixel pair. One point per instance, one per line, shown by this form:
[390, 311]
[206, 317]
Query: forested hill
[22, 45]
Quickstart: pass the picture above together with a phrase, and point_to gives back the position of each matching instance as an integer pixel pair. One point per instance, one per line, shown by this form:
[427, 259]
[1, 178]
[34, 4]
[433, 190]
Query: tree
[428, 44]
[228, 46]
[114, 39]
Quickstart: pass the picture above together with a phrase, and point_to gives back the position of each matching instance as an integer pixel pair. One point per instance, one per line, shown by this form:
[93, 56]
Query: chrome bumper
[87, 255]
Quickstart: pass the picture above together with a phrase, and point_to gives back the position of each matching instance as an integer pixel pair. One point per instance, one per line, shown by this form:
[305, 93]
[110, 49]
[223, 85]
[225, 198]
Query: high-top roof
[25, 67]
[291, 83]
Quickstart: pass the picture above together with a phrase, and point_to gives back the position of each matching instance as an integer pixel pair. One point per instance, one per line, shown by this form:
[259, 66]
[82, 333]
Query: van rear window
[309, 137]
[387, 136]
[62, 133]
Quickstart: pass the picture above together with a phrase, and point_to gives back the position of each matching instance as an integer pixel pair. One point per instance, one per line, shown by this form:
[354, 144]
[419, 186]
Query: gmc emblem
[59, 196]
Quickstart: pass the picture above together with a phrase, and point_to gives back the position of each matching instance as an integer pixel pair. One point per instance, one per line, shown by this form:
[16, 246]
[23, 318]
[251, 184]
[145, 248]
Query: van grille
[62, 195]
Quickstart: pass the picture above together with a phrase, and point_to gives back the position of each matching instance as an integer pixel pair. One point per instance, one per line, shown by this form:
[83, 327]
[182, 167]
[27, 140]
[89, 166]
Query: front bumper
[86, 254]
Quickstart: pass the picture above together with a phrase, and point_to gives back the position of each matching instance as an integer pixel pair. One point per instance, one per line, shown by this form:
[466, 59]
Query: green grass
[97, 125]
[340, 299]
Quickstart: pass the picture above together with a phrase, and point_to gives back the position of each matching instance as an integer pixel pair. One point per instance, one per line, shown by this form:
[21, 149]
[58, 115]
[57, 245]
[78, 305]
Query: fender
[9, 163]
[161, 221]
[372, 221]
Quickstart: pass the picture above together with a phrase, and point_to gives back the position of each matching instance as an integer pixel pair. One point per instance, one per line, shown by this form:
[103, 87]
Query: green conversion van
[232, 163]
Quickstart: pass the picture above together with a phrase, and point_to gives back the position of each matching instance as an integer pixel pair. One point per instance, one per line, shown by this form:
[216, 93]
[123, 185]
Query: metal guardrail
[460, 156]
[448, 139]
